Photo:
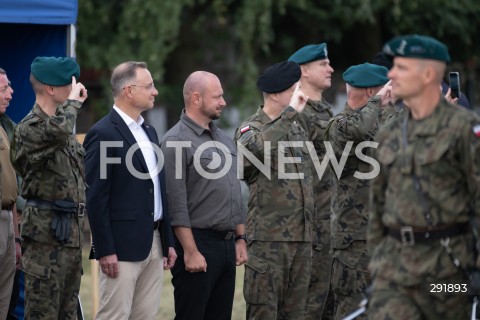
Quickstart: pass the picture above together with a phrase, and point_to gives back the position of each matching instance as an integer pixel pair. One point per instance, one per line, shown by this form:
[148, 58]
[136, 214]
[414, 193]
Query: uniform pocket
[431, 155]
[37, 285]
[257, 280]
[35, 270]
[343, 278]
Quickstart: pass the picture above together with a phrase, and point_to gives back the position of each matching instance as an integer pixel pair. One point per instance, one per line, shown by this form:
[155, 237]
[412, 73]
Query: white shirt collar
[128, 120]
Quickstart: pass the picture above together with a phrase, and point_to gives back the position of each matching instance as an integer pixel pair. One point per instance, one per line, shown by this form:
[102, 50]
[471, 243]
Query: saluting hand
[78, 91]
[299, 99]
[386, 93]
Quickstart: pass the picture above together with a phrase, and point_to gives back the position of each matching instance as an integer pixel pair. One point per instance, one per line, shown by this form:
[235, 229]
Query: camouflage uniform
[279, 219]
[50, 160]
[314, 119]
[350, 275]
[391, 112]
[444, 153]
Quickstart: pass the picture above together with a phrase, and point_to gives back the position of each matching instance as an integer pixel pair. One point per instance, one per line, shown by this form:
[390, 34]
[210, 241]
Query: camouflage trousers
[320, 297]
[276, 279]
[393, 301]
[52, 280]
[350, 278]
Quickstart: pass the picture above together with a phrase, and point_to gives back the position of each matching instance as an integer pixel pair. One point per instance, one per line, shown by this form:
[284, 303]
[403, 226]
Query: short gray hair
[124, 73]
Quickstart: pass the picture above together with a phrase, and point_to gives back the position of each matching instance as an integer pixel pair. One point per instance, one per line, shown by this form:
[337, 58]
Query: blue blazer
[120, 206]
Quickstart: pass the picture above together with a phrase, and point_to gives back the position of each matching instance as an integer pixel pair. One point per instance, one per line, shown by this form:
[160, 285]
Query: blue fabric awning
[53, 12]
[32, 28]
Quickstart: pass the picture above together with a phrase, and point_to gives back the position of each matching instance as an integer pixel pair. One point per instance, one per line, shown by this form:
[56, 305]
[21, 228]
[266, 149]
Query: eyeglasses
[150, 86]
[3, 89]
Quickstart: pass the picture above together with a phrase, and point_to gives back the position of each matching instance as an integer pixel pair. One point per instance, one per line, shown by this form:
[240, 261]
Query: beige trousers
[135, 293]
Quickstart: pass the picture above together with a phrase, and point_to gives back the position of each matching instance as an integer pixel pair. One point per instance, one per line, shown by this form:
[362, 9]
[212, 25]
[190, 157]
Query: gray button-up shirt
[201, 172]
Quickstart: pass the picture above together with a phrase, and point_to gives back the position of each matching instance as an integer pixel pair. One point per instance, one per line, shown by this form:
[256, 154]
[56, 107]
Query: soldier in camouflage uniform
[427, 191]
[358, 122]
[280, 209]
[316, 78]
[50, 160]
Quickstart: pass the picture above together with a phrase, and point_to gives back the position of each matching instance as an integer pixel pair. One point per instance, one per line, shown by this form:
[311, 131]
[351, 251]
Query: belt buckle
[229, 235]
[81, 209]
[407, 236]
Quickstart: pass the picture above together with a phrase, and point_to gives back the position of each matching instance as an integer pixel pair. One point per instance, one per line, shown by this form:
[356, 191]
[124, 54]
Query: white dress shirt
[149, 155]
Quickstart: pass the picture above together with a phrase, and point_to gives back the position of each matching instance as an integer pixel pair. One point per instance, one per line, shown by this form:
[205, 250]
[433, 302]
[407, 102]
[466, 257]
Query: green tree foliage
[238, 38]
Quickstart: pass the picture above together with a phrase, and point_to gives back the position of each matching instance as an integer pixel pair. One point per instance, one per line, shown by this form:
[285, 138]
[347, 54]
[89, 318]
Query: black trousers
[206, 295]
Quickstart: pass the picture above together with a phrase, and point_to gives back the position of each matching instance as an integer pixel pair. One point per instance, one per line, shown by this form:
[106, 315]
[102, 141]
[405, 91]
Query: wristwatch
[242, 237]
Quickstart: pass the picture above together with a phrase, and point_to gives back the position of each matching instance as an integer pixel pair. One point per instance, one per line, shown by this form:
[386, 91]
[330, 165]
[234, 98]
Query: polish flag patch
[476, 130]
[245, 129]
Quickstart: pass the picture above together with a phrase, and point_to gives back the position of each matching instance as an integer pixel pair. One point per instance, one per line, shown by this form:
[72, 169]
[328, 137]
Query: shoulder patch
[245, 137]
[476, 130]
[244, 129]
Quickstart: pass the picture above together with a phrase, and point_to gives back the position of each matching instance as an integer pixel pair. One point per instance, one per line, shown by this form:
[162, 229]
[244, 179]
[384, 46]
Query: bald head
[196, 82]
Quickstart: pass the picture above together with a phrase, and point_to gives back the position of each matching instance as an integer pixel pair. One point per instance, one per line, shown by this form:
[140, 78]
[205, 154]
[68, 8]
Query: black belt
[8, 207]
[46, 204]
[411, 235]
[217, 234]
[156, 224]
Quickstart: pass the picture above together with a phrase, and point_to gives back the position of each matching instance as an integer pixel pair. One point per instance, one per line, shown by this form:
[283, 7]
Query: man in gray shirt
[205, 204]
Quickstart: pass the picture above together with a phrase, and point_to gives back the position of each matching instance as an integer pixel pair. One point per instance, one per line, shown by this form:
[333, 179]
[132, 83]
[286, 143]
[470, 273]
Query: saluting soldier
[47, 155]
[358, 122]
[427, 191]
[316, 78]
[280, 209]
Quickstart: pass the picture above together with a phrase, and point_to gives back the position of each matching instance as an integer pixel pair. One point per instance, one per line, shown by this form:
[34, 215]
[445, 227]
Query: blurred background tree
[237, 39]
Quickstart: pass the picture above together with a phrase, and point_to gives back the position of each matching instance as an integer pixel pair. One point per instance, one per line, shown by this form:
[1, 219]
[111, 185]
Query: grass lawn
[166, 311]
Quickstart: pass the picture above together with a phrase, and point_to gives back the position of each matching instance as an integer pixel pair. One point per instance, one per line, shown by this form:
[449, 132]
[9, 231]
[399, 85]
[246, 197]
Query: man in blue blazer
[127, 210]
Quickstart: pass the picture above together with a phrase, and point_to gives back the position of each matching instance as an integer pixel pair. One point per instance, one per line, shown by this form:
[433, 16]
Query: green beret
[366, 75]
[417, 46]
[310, 53]
[279, 77]
[55, 71]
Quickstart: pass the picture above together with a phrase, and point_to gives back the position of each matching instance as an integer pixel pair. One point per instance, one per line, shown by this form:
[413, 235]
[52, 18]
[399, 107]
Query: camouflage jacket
[350, 192]
[314, 119]
[47, 155]
[391, 112]
[279, 208]
[444, 152]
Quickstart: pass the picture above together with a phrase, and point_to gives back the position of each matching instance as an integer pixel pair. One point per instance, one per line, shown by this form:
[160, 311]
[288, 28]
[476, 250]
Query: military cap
[310, 53]
[55, 71]
[279, 77]
[366, 75]
[383, 59]
[417, 46]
